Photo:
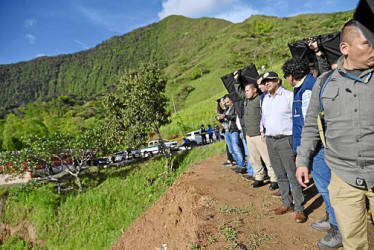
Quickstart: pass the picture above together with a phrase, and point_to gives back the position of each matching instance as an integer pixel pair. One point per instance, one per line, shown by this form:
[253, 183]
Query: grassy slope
[259, 40]
[94, 219]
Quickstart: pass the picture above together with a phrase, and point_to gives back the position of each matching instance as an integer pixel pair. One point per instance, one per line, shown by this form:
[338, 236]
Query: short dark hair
[296, 67]
[348, 27]
[255, 85]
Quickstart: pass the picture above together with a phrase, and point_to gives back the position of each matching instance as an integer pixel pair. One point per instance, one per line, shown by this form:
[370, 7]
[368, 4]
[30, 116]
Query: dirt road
[212, 207]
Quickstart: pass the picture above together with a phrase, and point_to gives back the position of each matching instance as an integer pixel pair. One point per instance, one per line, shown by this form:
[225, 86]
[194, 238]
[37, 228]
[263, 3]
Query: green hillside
[89, 73]
[194, 54]
[63, 93]
[187, 48]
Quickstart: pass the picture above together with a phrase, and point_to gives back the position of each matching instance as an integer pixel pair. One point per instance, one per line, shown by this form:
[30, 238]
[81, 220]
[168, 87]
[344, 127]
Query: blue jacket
[297, 114]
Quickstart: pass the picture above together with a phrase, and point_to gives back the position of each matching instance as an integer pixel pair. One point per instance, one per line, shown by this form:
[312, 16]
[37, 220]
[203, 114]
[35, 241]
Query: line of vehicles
[153, 148]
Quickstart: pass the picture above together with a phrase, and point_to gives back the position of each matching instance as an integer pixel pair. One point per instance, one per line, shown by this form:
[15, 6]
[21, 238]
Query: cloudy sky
[33, 28]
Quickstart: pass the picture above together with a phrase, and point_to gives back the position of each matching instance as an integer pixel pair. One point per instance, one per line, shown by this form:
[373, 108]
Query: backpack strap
[322, 85]
[321, 115]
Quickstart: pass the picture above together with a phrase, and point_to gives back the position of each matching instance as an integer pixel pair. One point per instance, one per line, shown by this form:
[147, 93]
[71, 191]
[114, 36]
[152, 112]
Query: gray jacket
[349, 116]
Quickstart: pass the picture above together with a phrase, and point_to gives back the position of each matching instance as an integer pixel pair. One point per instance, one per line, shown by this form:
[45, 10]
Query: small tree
[137, 107]
[72, 154]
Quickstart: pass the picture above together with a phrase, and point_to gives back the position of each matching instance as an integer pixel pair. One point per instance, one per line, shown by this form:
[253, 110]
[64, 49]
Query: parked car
[194, 137]
[134, 153]
[126, 155]
[150, 151]
[173, 145]
[119, 156]
[154, 147]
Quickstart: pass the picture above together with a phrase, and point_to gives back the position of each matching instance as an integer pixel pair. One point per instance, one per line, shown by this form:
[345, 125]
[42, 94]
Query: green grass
[15, 243]
[95, 219]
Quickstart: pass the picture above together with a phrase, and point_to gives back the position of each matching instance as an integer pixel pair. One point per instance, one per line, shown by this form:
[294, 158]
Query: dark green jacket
[252, 112]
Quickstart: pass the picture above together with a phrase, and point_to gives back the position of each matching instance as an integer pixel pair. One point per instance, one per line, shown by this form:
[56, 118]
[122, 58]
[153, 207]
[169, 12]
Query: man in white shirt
[277, 114]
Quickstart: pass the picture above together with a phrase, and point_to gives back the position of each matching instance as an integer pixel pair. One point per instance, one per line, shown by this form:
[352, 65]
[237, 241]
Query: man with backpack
[297, 73]
[344, 104]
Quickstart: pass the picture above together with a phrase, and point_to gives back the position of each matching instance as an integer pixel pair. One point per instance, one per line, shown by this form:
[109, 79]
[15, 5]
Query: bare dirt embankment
[213, 207]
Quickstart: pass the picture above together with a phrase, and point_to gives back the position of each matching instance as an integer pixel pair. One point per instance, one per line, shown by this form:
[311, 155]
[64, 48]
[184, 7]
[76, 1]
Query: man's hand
[302, 175]
[263, 137]
[313, 45]
[236, 75]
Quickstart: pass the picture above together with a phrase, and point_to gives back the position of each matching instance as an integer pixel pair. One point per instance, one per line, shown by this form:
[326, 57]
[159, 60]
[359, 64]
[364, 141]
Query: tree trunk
[166, 152]
[79, 182]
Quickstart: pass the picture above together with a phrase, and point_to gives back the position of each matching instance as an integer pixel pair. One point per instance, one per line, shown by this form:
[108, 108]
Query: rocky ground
[212, 207]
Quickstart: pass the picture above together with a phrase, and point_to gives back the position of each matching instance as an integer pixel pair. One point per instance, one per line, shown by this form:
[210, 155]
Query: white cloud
[85, 46]
[30, 22]
[30, 38]
[109, 20]
[231, 10]
[40, 55]
[191, 8]
[238, 14]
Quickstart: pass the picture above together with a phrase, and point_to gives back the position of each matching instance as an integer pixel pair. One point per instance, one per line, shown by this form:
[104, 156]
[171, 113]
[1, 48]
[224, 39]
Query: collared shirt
[305, 97]
[277, 112]
[262, 122]
[349, 107]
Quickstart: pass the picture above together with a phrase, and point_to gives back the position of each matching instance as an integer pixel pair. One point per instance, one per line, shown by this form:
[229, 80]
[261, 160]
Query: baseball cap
[269, 75]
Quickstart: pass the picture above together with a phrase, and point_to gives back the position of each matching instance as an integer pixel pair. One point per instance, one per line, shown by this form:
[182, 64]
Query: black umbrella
[327, 43]
[248, 74]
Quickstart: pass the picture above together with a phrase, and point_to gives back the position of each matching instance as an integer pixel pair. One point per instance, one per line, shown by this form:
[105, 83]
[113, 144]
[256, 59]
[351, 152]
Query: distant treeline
[89, 73]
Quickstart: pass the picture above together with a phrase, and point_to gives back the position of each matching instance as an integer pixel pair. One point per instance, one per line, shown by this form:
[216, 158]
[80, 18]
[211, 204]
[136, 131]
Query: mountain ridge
[187, 49]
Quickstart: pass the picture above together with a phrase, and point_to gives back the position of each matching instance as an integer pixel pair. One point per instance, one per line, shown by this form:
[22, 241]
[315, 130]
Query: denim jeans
[322, 175]
[246, 151]
[233, 143]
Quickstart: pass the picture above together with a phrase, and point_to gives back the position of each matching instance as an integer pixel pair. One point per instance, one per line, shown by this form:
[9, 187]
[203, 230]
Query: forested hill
[87, 73]
[186, 48]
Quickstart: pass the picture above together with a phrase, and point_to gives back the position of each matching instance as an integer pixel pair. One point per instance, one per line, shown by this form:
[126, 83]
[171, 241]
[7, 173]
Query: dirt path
[213, 207]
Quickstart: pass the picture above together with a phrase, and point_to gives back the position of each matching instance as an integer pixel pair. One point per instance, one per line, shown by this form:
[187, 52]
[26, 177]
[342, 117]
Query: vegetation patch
[96, 218]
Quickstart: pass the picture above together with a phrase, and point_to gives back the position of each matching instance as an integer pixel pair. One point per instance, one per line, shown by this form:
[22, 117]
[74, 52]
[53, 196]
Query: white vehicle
[126, 155]
[173, 145]
[194, 137]
[154, 147]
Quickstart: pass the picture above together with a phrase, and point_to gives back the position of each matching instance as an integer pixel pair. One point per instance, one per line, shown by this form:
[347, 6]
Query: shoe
[333, 239]
[278, 193]
[235, 169]
[241, 170]
[300, 217]
[226, 164]
[283, 210]
[257, 184]
[323, 225]
[273, 186]
[249, 177]
[234, 163]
